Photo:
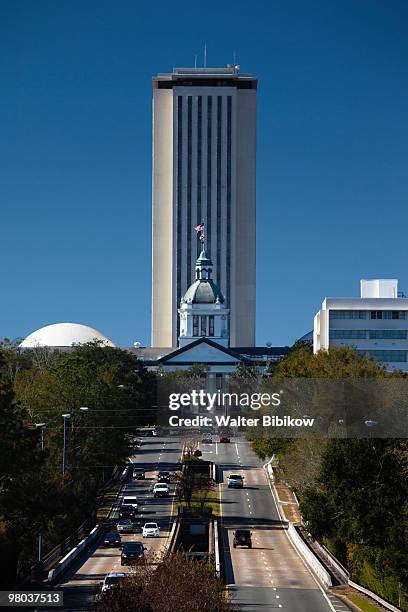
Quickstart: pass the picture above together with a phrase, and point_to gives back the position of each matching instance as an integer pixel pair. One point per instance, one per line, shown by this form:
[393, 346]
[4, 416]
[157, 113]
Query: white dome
[64, 334]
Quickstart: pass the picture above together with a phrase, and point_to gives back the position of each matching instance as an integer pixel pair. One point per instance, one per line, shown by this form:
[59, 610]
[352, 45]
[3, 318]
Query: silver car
[125, 526]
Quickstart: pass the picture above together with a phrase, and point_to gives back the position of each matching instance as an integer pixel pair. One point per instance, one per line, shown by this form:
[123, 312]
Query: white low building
[65, 335]
[376, 323]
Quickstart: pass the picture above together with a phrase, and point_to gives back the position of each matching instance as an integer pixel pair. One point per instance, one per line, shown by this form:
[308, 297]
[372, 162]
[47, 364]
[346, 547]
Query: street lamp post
[42, 427]
[64, 451]
[64, 448]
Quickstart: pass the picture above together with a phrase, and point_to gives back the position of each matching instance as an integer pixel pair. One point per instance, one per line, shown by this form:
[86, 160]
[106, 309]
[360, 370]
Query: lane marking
[289, 540]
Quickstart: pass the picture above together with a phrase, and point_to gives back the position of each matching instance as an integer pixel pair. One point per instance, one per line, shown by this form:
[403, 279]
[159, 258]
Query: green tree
[245, 372]
[336, 363]
[359, 504]
[118, 392]
[178, 584]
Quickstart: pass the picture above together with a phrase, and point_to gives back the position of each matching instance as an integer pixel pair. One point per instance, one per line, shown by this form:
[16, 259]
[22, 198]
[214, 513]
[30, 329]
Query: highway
[271, 575]
[82, 582]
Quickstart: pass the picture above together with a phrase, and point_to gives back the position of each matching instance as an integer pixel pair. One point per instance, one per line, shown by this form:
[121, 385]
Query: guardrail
[52, 557]
[73, 554]
[334, 565]
[171, 540]
[378, 599]
[50, 561]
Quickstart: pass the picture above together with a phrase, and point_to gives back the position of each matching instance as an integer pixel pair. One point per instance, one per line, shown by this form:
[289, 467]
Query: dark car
[163, 476]
[139, 474]
[242, 537]
[225, 438]
[132, 552]
[112, 539]
[127, 512]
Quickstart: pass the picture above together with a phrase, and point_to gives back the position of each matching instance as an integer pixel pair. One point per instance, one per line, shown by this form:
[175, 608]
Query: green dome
[203, 291]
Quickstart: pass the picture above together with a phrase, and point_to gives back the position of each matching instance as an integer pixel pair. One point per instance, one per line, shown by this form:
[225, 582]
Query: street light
[43, 427]
[65, 417]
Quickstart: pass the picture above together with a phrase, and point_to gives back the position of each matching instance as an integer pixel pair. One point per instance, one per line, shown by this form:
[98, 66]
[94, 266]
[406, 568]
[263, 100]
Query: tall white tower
[204, 129]
[203, 312]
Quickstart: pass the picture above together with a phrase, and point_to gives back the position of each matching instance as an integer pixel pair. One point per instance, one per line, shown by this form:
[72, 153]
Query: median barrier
[73, 554]
[169, 548]
[217, 551]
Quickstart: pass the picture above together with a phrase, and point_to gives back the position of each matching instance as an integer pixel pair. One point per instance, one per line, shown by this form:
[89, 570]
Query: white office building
[376, 323]
[204, 136]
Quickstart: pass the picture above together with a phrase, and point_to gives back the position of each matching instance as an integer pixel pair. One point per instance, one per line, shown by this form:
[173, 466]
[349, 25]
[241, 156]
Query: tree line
[36, 388]
[353, 492]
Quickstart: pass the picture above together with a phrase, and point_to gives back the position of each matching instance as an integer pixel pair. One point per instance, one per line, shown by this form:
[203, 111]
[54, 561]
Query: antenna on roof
[195, 61]
[205, 55]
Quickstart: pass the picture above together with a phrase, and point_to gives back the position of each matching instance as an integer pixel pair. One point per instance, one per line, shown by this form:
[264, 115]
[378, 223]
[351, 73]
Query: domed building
[64, 335]
[203, 312]
[204, 335]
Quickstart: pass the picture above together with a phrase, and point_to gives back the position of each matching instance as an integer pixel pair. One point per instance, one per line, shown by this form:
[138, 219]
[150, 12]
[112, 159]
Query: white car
[161, 489]
[151, 530]
[112, 580]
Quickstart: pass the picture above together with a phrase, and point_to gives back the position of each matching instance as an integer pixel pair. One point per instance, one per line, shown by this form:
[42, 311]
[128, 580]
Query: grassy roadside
[361, 601]
[363, 604]
[108, 500]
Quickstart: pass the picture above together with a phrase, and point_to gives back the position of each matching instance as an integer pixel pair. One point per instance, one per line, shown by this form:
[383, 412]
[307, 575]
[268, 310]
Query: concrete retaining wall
[309, 557]
[73, 554]
[304, 551]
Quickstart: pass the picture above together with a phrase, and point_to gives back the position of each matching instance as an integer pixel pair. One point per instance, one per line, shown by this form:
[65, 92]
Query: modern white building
[204, 136]
[376, 323]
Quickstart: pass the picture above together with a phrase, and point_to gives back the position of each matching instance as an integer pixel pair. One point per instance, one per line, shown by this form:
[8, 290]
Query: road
[82, 582]
[271, 575]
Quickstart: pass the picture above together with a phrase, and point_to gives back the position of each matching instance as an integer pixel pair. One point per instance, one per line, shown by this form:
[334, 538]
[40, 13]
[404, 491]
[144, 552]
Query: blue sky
[75, 152]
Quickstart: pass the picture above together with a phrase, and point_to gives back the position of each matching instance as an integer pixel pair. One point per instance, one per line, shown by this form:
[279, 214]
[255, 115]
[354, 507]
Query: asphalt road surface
[271, 575]
[81, 583]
